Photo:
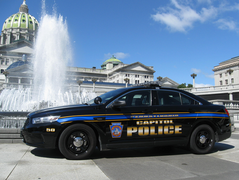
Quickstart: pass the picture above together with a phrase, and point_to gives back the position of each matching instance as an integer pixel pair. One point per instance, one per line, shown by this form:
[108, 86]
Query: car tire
[202, 139]
[77, 141]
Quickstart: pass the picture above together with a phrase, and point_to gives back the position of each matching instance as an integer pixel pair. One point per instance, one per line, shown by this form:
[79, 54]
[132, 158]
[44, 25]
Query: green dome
[112, 60]
[21, 20]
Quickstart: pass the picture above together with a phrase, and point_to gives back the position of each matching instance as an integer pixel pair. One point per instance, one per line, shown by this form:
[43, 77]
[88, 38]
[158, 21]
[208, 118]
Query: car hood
[61, 110]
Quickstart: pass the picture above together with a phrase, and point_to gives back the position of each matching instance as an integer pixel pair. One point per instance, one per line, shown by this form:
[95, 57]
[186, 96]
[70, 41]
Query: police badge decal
[116, 130]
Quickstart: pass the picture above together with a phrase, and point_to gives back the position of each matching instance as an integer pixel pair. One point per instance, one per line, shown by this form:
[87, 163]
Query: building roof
[22, 19]
[227, 64]
[17, 64]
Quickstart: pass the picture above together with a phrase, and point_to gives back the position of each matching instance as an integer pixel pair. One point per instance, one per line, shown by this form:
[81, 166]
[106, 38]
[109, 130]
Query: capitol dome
[112, 62]
[21, 26]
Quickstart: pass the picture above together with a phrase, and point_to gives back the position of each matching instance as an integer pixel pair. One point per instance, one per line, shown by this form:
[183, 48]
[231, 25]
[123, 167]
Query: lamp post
[94, 80]
[6, 74]
[159, 78]
[193, 76]
[126, 81]
[79, 83]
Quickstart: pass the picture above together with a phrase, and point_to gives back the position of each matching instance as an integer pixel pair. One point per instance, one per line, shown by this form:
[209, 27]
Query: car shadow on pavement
[140, 152]
[221, 147]
[130, 152]
[48, 153]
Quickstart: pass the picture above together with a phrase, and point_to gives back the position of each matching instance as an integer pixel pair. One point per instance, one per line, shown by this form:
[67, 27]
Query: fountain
[52, 53]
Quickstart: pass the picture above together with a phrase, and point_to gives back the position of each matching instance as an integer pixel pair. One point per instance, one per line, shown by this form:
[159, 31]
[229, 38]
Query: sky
[176, 37]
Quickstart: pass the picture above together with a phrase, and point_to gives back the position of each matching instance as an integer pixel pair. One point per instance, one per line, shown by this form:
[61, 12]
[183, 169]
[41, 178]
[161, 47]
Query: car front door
[124, 122]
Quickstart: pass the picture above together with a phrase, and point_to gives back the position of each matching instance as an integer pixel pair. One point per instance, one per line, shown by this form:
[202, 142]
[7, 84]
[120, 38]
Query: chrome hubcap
[202, 139]
[78, 141]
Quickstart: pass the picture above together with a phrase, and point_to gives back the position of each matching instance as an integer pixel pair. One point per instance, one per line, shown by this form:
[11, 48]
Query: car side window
[137, 98]
[188, 101]
[169, 98]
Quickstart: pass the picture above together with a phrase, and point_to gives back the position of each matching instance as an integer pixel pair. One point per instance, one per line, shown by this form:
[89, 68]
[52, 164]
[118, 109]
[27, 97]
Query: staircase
[10, 135]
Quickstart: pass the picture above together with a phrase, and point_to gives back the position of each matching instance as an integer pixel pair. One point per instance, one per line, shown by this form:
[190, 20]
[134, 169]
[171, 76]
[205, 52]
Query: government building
[16, 48]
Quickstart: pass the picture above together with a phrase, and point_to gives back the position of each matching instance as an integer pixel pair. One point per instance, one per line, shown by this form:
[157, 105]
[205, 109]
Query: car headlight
[46, 119]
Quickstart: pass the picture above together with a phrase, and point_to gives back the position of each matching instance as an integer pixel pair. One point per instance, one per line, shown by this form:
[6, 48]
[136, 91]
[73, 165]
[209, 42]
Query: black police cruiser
[147, 115]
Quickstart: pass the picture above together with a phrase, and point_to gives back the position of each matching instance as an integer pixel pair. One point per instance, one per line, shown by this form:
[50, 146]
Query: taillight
[227, 112]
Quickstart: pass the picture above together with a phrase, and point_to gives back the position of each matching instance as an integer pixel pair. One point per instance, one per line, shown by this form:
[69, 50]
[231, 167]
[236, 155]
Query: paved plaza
[21, 162]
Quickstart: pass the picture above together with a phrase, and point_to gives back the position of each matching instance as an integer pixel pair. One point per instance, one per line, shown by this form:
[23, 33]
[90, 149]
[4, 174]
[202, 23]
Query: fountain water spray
[52, 53]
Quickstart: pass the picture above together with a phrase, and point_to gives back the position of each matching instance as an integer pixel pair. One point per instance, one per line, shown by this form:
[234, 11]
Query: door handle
[99, 118]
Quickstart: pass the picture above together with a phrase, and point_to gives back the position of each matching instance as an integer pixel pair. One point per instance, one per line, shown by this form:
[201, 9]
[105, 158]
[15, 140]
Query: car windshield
[108, 96]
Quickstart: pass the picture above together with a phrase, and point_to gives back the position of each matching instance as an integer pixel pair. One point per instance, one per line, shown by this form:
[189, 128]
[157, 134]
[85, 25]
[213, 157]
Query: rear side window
[169, 98]
[188, 101]
[173, 98]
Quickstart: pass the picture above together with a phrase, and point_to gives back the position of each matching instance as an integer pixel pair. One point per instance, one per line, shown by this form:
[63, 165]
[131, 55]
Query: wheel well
[87, 124]
[201, 123]
[204, 122]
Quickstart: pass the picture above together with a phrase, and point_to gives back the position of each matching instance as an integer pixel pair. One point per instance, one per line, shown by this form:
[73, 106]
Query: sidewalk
[21, 162]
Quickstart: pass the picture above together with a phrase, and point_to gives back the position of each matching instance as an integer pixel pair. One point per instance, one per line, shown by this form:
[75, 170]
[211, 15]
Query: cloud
[182, 17]
[199, 71]
[226, 24]
[202, 85]
[194, 70]
[118, 55]
[205, 1]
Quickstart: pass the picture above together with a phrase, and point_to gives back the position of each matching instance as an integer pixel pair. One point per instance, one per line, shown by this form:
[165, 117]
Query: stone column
[230, 96]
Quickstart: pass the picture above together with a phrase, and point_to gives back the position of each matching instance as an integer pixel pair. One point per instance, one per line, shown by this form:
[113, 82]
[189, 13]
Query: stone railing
[14, 85]
[212, 88]
[230, 105]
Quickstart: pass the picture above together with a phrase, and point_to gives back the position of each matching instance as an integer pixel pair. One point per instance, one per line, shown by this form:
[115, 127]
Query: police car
[147, 115]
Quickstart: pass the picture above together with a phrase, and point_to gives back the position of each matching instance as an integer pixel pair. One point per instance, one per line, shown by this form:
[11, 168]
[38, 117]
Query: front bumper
[39, 139]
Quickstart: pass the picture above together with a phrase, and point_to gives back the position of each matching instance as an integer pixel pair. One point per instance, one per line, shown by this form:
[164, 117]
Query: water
[52, 54]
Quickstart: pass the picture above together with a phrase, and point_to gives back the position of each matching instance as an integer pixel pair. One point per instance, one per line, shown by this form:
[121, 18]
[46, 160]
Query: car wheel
[77, 141]
[202, 139]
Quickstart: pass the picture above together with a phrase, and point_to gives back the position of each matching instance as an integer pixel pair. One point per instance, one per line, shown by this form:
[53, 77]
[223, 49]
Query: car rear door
[174, 114]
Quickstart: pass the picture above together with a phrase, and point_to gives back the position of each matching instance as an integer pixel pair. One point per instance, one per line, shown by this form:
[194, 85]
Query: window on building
[136, 81]
[2, 70]
[232, 80]
[2, 61]
[220, 83]
[7, 61]
[225, 74]
[146, 76]
[220, 75]
[226, 81]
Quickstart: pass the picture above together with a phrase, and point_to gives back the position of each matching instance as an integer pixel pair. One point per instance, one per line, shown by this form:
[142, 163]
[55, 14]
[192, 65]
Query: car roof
[157, 85]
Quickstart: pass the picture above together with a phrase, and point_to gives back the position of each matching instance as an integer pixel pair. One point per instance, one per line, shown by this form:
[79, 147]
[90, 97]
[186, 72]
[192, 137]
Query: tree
[189, 86]
[183, 85]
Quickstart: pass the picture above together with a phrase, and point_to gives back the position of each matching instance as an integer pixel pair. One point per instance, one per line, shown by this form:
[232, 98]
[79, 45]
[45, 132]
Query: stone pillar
[230, 96]
[2, 39]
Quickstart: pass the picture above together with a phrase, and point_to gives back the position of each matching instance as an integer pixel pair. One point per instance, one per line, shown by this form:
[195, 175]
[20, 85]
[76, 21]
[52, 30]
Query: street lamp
[6, 74]
[193, 76]
[159, 78]
[79, 82]
[94, 80]
[126, 81]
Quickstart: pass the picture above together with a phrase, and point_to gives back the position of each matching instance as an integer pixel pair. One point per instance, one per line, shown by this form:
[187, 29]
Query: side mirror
[119, 103]
[97, 100]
